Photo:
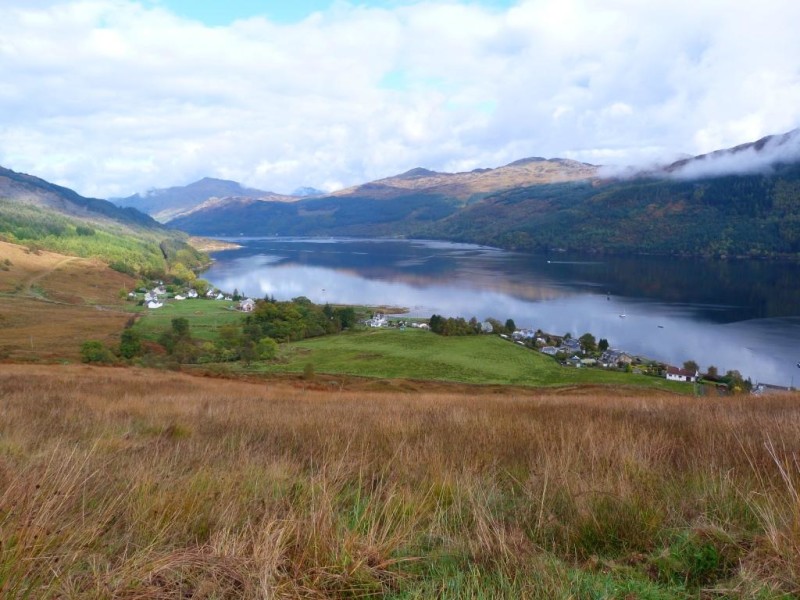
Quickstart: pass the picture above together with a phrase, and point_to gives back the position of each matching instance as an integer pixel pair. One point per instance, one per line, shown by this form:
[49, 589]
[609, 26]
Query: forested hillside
[753, 215]
[45, 216]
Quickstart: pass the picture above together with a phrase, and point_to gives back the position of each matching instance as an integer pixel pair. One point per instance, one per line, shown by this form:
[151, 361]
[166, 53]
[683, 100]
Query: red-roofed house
[676, 374]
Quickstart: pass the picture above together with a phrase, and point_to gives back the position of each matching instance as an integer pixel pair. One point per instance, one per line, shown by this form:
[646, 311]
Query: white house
[179, 297]
[378, 320]
[523, 334]
[247, 305]
[154, 304]
[676, 374]
[191, 293]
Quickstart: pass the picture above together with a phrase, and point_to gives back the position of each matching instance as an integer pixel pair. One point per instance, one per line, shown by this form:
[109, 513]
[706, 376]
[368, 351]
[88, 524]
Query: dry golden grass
[123, 483]
[51, 303]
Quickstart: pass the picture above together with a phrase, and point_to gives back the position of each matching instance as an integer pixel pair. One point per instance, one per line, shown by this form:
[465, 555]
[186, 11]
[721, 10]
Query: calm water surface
[732, 314]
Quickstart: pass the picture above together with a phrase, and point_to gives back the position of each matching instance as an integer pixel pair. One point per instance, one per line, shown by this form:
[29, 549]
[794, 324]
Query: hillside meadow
[133, 483]
[422, 355]
[50, 303]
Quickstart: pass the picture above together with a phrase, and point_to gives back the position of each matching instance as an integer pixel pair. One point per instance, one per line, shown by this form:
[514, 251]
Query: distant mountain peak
[305, 192]
[526, 161]
[463, 186]
[566, 162]
[167, 203]
[417, 173]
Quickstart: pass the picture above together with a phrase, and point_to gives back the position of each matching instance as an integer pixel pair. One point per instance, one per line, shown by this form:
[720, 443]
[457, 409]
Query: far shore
[210, 245]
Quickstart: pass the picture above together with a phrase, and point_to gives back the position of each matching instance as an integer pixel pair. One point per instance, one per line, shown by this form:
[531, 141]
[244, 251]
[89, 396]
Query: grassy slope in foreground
[415, 354]
[125, 483]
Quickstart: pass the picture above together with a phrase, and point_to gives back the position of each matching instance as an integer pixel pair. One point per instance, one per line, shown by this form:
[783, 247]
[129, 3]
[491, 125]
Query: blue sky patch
[216, 13]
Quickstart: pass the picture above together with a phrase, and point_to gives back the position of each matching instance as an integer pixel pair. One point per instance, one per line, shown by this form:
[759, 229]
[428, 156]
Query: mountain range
[210, 195]
[742, 201]
[170, 203]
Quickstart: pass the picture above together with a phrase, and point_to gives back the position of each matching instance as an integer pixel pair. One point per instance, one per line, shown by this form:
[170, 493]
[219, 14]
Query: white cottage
[676, 374]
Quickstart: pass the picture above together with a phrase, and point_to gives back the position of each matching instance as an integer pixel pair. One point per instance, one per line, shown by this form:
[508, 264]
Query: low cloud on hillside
[751, 158]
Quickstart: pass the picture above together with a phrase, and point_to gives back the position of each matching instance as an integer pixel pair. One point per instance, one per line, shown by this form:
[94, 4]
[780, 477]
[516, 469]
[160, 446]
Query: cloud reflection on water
[563, 296]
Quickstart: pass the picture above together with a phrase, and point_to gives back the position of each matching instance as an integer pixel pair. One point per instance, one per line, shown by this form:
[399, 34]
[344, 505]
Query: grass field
[417, 354]
[204, 317]
[50, 304]
[128, 483]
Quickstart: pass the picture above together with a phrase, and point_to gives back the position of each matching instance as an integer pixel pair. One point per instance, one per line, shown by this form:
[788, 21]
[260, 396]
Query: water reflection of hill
[725, 291]
[746, 289]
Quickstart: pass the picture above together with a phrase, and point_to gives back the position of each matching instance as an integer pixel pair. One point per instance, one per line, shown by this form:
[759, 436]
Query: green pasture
[414, 354]
[392, 353]
[204, 317]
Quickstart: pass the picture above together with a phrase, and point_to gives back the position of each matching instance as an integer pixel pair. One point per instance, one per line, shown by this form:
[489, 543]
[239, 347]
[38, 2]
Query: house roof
[681, 372]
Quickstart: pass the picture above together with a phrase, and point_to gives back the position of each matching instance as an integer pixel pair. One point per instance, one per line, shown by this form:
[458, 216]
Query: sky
[113, 97]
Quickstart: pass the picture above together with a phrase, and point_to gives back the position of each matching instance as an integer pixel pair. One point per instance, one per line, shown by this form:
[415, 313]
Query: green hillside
[417, 354]
[30, 190]
[746, 215]
[130, 248]
[357, 215]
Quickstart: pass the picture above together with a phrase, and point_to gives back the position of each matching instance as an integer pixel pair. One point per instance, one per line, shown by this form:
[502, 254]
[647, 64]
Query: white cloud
[115, 96]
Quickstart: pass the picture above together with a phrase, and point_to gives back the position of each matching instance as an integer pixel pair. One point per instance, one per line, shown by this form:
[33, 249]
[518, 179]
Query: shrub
[122, 267]
[130, 344]
[267, 348]
[94, 351]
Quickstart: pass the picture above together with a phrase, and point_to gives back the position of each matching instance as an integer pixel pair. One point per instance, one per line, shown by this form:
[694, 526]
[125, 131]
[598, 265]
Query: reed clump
[123, 483]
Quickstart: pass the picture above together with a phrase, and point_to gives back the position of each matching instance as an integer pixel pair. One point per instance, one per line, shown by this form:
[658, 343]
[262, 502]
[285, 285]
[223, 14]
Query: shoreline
[204, 244]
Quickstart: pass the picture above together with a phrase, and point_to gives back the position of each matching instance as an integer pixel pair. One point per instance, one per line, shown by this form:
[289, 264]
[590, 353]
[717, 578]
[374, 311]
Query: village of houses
[564, 348]
[154, 299]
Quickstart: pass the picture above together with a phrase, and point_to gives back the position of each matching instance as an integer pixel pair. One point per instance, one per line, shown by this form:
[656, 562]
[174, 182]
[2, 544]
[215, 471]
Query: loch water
[732, 314]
